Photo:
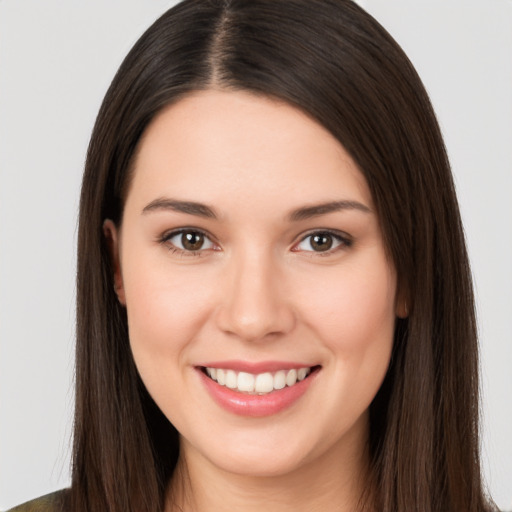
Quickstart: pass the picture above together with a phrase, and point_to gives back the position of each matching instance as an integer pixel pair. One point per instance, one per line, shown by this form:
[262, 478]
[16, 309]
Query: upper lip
[256, 367]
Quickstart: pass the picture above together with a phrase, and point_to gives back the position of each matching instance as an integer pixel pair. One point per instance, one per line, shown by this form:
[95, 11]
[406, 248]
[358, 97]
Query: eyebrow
[303, 213]
[190, 207]
[316, 210]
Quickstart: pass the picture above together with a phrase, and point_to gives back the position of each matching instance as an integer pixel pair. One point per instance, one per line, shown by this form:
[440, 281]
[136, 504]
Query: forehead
[214, 143]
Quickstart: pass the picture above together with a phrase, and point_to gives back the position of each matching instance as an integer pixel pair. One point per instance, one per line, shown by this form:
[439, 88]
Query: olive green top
[49, 503]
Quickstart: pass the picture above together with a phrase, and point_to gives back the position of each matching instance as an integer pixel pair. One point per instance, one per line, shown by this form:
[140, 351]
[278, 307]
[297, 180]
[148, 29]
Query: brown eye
[188, 241]
[321, 242]
[192, 241]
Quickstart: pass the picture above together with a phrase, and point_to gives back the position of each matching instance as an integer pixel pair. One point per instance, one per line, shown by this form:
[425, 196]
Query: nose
[253, 305]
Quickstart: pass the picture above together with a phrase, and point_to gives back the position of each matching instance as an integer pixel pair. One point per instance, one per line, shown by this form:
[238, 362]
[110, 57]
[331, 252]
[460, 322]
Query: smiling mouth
[261, 383]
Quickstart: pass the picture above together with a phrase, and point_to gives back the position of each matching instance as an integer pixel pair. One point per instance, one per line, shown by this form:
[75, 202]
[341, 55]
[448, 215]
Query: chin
[257, 465]
[269, 453]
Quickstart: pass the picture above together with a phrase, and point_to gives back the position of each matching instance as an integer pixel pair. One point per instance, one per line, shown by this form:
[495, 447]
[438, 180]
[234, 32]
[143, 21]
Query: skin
[256, 291]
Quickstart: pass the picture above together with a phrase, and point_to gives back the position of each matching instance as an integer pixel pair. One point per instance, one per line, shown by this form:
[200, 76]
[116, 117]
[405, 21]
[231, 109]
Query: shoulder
[50, 503]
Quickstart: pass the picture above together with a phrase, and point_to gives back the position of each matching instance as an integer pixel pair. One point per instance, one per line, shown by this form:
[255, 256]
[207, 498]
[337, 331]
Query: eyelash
[344, 242]
[165, 239]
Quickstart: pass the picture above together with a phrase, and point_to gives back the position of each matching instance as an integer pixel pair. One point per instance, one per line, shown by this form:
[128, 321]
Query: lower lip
[244, 404]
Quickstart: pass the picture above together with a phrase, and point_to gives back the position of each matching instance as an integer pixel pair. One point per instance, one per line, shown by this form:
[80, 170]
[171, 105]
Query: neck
[336, 481]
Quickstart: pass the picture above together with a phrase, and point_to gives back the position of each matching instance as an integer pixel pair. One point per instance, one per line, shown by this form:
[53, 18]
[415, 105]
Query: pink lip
[244, 404]
[255, 368]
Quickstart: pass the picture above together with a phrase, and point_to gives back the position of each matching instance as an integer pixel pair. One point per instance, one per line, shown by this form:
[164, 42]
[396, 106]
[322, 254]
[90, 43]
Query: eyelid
[344, 238]
[165, 238]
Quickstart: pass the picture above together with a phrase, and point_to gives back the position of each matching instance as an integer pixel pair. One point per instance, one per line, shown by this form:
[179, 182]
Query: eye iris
[192, 241]
[321, 242]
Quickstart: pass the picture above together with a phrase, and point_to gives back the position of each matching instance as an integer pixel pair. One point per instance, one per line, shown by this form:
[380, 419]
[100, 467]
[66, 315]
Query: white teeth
[262, 383]
[291, 377]
[221, 377]
[279, 380]
[245, 382]
[231, 380]
[302, 373]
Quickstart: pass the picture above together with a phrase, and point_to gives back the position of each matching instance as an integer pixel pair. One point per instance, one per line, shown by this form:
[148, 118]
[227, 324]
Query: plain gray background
[56, 61]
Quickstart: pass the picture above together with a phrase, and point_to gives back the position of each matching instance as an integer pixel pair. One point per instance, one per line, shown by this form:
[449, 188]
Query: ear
[402, 309]
[112, 237]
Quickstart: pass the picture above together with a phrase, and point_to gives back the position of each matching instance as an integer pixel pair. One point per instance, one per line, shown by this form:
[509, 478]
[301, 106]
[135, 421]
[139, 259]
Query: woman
[274, 300]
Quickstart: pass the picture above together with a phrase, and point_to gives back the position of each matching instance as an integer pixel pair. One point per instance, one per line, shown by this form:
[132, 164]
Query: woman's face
[250, 250]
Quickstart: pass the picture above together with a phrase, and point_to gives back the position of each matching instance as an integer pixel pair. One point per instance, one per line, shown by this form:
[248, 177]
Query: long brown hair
[335, 62]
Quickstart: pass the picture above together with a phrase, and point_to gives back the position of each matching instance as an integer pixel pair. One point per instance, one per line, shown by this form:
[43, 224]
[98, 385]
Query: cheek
[354, 308]
[354, 317]
[166, 308]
